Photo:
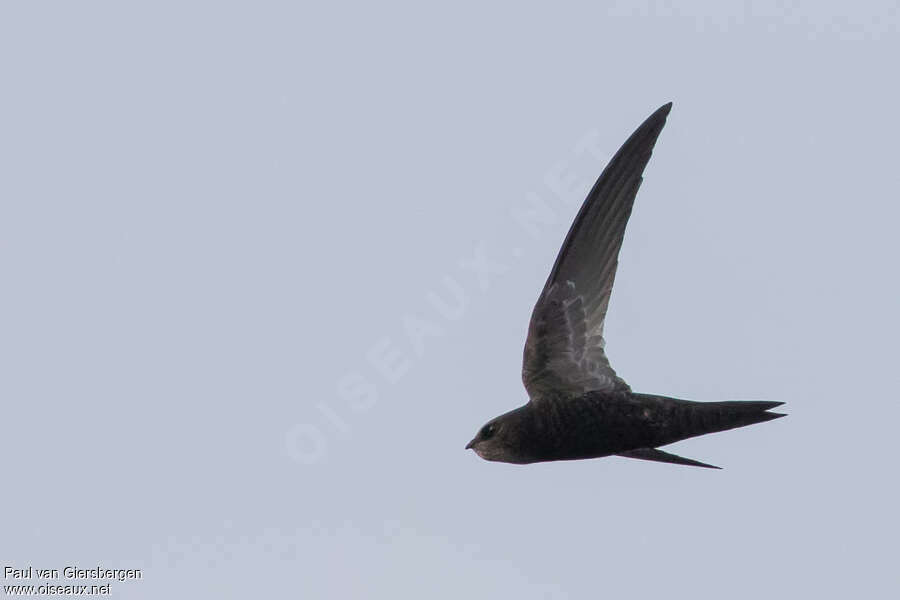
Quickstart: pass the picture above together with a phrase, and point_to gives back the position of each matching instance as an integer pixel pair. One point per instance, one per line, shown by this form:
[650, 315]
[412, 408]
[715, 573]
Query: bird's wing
[564, 349]
[655, 454]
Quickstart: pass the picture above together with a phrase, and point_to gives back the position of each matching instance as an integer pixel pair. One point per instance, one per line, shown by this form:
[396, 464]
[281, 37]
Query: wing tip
[645, 135]
[657, 455]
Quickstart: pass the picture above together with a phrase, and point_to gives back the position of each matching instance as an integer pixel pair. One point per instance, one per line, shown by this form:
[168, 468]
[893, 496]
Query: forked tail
[682, 419]
[708, 417]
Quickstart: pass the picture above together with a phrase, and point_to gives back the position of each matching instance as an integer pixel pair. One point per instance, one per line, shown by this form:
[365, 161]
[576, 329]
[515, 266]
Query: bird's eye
[487, 432]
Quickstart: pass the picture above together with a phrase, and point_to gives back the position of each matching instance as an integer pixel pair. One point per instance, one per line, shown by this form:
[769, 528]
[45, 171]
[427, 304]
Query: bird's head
[501, 438]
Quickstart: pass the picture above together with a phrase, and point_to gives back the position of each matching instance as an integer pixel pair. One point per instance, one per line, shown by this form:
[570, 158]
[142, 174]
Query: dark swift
[578, 407]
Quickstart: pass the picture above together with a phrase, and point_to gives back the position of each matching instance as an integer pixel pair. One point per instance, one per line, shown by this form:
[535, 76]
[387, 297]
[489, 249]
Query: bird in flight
[578, 407]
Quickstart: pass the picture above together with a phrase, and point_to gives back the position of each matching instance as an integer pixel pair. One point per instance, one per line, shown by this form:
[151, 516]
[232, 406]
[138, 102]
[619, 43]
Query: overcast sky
[266, 269]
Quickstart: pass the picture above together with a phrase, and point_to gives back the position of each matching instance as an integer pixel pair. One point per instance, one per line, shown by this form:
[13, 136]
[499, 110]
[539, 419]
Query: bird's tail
[688, 419]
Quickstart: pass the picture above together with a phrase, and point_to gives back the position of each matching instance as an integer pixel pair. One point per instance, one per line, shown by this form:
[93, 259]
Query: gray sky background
[220, 221]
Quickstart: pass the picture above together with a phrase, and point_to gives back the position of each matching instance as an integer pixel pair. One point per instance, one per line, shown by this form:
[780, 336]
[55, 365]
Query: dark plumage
[579, 407]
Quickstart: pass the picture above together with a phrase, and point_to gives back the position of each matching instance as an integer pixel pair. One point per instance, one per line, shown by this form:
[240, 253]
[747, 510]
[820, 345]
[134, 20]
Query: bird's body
[598, 424]
[579, 408]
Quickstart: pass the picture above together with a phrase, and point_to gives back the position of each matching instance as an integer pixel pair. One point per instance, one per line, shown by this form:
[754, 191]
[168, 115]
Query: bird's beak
[470, 444]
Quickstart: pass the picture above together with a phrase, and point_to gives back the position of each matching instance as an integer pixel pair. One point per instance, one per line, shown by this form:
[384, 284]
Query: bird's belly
[591, 429]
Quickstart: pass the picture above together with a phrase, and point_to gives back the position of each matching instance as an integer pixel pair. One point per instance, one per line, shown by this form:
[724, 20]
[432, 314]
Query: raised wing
[564, 349]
